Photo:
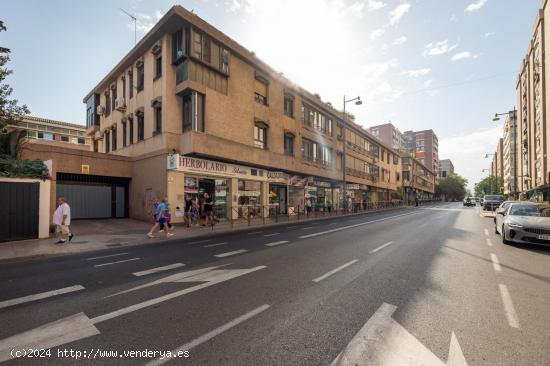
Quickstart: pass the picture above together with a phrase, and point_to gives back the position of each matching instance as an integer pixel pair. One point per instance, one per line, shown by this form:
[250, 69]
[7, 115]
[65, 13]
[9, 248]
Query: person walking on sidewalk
[168, 215]
[208, 209]
[188, 215]
[62, 220]
[161, 220]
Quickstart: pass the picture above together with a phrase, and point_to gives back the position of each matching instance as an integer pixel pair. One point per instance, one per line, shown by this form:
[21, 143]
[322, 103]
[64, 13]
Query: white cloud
[427, 83]
[468, 151]
[416, 73]
[375, 4]
[475, 6]
[399, 40]
[438, 48]
[374, 71]
[453, 18]
[464, 55]
[397, 13]
[145, 21]
[489, 34]
[235, 5]
[377, 33]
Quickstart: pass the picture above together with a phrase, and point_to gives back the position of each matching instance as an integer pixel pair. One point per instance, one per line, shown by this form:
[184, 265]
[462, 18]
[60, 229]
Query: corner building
[197, 112]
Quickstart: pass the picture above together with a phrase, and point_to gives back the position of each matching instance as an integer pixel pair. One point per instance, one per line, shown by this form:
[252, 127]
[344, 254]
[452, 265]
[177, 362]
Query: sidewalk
[93, 235]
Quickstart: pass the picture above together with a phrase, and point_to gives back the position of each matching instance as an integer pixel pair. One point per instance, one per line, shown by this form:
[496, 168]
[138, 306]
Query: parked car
[468, 201]
[523, 223]
[502, 208]
[492, 201]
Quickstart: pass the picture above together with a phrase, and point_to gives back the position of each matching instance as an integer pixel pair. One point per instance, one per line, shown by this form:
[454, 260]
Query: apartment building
[532, 143]
[38, 128]
[509, 159]
[424, 146]
[196, 112]
[418, 180]
[389, 135]
[446, 168]
[499, 161]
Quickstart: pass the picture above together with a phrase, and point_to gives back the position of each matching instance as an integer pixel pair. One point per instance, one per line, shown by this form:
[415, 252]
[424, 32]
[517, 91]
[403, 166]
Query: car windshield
[524, 210]
[493, 198]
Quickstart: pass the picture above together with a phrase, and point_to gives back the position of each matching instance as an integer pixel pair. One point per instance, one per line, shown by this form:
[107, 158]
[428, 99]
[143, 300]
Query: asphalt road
[410, 286]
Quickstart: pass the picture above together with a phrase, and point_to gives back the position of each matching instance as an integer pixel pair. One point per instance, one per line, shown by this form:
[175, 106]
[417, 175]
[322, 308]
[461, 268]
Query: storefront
[195, 186]
[278, 193]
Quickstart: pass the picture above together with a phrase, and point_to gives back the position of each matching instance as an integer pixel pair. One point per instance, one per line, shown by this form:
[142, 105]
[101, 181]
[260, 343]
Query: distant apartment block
[446, 168]
[424, 146]
[389, 135]
[51, 130]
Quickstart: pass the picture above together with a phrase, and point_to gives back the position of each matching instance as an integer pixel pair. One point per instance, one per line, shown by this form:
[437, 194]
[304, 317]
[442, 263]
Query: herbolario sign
[188, 164]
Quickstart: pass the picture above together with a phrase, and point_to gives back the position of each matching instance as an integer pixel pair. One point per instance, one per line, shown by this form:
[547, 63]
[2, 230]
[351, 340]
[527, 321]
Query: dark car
[492, 201]
[469, 201]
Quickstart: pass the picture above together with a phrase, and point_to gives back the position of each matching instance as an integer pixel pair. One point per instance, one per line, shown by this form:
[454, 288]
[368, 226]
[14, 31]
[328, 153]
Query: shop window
[260, 90]
[260, 135]
[289, 105]
[193, 112]
[289, 143]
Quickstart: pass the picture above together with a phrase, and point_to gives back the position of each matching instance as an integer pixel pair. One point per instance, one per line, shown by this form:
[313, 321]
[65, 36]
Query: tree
[452, 188]
[10, 110]
[489, 185]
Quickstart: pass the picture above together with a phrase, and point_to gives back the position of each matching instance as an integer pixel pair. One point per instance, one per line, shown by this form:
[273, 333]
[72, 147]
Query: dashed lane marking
[381, 247]
[228, 254]
[509, 309]
[335, 270]
[158, 269]
[106, 256]
[215, 245]
[496, 263]
[277, 243]
[111, 263]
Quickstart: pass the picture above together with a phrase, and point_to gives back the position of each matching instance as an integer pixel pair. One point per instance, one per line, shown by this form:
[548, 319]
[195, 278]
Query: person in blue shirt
[161, 223]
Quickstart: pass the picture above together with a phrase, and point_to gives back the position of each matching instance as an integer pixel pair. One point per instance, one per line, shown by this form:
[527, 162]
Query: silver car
[523, 223]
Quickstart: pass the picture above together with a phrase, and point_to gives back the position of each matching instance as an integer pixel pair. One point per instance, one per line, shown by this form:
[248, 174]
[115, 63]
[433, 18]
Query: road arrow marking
[79, 326]
[384, 342]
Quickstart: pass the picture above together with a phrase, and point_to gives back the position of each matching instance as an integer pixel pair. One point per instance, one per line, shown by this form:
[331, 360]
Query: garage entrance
[19, 211]
[94, 196]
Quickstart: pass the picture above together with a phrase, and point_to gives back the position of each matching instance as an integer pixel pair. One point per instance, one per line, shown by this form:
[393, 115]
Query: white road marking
[213, 333]
[228, 254]
[381, 247]
[291, 227]
[352, 226]
[496, 263]
[79, 326]
[255, 232]
[200, 241]
[384, 342]
[333, 223]
[267, 235]
[42, 295]
[277, 243]
[509, 309]
[110, 263]
[486, 232]
[106, 256]
[330, 273]
[489, 243]
[307, 228]
[158, 269]
[215, 245]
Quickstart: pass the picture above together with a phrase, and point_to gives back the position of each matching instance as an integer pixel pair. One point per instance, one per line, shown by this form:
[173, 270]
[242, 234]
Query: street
[437, 276]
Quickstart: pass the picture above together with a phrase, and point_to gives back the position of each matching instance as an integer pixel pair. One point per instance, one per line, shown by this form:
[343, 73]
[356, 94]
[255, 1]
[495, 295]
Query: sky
[446, 65]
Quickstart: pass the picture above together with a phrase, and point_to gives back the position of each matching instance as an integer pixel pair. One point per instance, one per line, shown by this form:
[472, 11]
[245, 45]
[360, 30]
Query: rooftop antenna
[135, 21]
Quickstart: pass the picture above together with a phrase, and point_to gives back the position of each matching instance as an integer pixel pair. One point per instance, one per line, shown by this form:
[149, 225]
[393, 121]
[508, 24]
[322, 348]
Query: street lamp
[357, 101]
[513, 118]
[490, 175]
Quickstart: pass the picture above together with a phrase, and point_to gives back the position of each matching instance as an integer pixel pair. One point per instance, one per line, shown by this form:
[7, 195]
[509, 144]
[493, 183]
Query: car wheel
[504, 241]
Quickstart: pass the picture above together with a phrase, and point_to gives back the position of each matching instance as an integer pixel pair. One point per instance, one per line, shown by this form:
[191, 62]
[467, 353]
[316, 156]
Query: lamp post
[513, 121]
[496, 170]
[490, 175]
[357, 102]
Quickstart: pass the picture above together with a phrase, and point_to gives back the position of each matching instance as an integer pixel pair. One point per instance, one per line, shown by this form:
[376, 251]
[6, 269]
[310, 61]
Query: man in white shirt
[62, 220]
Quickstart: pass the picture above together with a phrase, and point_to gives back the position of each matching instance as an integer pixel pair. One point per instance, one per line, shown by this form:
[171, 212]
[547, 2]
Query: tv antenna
[135, 22]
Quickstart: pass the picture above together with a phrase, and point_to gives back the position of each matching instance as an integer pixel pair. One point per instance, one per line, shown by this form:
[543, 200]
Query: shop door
[281, 197]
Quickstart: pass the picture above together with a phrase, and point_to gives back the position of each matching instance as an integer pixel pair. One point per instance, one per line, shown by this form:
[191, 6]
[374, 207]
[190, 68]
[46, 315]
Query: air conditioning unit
[98, 135]
[120, 104]
[100, 110]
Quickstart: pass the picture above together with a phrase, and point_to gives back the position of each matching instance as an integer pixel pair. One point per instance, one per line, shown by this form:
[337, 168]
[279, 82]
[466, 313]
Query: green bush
[13, 168]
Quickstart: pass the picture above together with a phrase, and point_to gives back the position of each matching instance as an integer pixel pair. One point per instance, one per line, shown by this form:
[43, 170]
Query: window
[260, 135]
[260, 91]
[289, 105]
[443, 174]
[289, 144]
[107, 142]
[140, 78]
[224, 61]
[193, 112]
[113, 139]
[45, 136]
[131, 83]
[107, 104]
[395, 160]
[131, 124]
[96, 146]
[123, 80]
[177, 47]
[317, 120]
[81, 141]
[308, 149]
[113, 97]
[140, 127]
[197, 45]
[158, 118]
[158, 67]
[206, 49]
[124, 133]
[397, 177]
[65, 138]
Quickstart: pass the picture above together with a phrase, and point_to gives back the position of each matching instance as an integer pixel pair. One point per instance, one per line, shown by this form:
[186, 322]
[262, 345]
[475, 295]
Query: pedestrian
[168, 215]
[62, 220]
[161, 220]
[208, 209]
[307, 205]
[350, 204]
[188, 215]
[195, 215]
[416, 201]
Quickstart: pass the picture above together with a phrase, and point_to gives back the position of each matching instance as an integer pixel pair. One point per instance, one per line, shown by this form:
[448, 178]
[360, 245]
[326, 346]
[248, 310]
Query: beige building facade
[389, 135]
[418, 180]
[196, 112]
[38, 128]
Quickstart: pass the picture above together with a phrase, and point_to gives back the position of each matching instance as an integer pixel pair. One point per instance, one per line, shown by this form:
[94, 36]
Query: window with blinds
[260, 91]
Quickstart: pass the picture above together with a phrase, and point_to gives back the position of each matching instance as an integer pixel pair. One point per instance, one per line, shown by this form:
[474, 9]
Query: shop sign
[352, 186]
[322, 184]
[277, 177]
[172, 162]
[85, 169]
[297, 181]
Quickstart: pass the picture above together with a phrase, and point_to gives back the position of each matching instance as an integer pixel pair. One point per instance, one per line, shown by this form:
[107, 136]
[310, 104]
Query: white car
[523, 223]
